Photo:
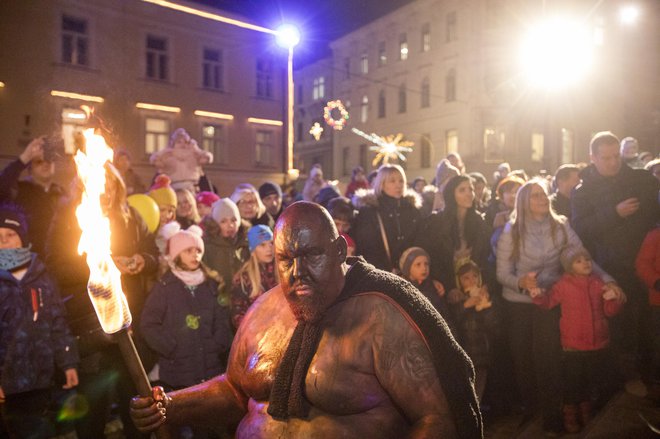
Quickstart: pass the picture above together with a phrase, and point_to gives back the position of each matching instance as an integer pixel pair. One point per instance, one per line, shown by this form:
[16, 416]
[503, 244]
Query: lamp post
[288, 37]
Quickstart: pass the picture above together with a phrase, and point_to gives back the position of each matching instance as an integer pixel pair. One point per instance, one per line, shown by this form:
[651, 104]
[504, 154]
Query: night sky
[319, 21]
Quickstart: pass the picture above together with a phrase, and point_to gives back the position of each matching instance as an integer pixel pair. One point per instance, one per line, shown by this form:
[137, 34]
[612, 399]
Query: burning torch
[104, 285]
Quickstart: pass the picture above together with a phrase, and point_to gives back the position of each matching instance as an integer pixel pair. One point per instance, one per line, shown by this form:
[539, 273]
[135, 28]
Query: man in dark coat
[338, 349]
[38, 195]
[612, 210]
[567, 178]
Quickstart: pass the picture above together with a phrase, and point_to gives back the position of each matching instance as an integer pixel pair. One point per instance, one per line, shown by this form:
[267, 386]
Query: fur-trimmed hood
[367, 197]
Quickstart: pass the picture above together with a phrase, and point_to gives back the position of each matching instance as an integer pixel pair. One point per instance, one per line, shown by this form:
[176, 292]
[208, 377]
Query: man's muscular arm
[404, 367]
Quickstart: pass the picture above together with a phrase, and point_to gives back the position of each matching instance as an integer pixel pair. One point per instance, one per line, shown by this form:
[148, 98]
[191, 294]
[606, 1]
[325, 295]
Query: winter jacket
[225, 255]
[583, 324]
[39, 205]
[476, 331]
[561, 204]
[539, 253]
[188, 329]
[614, 241]
[32, 343]
[648, 265]
[436, 236]
[430, 290]
[71, 272]
[400, 218]
[242, 287]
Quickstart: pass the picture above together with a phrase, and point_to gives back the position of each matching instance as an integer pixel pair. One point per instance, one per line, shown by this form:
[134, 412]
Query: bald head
[305, 215]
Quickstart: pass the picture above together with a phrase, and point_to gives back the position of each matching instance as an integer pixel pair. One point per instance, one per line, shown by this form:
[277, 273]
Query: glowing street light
[556, 53]
[629, 14]
[288, 37]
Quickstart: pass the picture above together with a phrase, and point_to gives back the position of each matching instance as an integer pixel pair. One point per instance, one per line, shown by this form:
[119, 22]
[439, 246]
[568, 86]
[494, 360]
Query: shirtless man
[372, 373]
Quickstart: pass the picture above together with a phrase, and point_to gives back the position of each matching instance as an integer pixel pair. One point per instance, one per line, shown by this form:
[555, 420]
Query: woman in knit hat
[225, 238]
[205, 200]
[256, 276]
[250, 206]
[183, 320]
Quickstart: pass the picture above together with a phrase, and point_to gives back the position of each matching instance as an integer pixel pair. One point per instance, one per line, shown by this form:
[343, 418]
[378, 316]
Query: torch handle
[137, 372]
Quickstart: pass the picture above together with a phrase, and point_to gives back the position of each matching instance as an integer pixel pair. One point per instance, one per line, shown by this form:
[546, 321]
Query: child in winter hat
[225, 213]
[258, 234]
[414, 264]
[165, 197]
[205, 200]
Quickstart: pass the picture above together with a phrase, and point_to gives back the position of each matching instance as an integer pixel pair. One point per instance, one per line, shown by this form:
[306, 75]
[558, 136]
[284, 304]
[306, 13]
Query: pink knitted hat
[178, 240]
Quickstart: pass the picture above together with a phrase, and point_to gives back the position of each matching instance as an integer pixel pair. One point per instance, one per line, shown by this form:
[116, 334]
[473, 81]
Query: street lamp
[556, 53]
[288, 37]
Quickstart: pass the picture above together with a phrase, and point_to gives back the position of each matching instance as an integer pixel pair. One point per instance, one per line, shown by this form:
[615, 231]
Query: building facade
[146, 70]
[447, 75]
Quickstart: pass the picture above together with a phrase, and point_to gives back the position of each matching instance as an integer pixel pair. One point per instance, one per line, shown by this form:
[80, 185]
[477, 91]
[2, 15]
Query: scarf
[189, 278]
[453, 367]
[14, 258]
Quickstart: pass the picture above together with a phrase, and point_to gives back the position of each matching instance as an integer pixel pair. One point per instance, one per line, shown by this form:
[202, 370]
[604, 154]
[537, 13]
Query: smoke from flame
[104, 285]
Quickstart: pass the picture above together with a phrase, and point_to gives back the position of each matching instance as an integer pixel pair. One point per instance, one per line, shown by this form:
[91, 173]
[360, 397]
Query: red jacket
[648, 264]
[583, 323]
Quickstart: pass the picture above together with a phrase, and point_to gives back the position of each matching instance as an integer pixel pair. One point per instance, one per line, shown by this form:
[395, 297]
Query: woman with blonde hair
[388, 217]
[186, 209]
[528, 259]
[256, 276]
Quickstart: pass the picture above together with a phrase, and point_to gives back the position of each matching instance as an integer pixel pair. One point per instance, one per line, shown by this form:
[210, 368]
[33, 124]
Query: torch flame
[104, 285]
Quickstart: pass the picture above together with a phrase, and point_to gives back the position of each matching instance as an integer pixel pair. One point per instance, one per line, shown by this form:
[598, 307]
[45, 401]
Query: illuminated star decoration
[336, 124]
[389, 147]
[316, 130]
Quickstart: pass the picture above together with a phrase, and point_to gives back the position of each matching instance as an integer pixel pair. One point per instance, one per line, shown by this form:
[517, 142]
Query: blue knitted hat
[258, 234]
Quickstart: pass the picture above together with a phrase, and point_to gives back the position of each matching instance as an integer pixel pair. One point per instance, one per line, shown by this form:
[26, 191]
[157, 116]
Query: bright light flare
[556, 53]
[288, 36]
[104, 285]
[629, 14]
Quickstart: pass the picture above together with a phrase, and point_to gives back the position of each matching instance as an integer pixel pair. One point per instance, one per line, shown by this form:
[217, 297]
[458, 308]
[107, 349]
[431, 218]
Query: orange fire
[104, 285]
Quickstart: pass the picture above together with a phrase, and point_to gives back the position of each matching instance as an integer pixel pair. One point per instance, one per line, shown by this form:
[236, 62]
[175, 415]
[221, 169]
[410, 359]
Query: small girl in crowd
[186, 208]
[165, 197]
[182, 319]
[342, 212]
[583, 328]
[414, 265]
[256, 276]
[34, 334]
[475, 320]
[205, 200]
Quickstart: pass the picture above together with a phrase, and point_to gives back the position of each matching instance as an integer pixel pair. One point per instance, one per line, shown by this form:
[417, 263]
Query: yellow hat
[162, 192]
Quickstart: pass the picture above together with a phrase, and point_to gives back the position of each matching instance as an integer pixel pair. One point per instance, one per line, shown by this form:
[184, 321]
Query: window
[363, 156]
[450, 86]
[425, 160]
[264, 148]
[567, 145]
[403, 47]
[264, 78]
[346, 161]
[450, 22]
[212, 69]
[73, 124]
[381, 104]
[318, 90]
[157, 59]
[426, 37]
[347, 68]
[402, 98]
[382, 54]
[75, 41]
[537, 147]
[213, 141]
[426, 93]
[157, 132]
[451, 137]
[364, 109]
[493, 144]
[364, 64]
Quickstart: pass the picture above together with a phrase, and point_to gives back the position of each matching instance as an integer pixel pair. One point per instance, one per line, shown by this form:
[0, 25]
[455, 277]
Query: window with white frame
[426, 93]
[403, 47]
[426, 37]
[213, 141]
[451, 138]
[364, 109]
[264, 148]
[157, 132]
[265, 78]
[382, 54]
[364, 63]
[318, 88]
[73, 123]
[157, 58]
[450, 86]
[381, 104]
[75, 41]
[567, 145]
[451, 31]
[537, 147]
[212, 69]
[402, 98]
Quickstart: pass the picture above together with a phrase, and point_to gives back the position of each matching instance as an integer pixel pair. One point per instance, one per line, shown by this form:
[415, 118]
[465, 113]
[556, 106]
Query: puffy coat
[583, 324]
[648, 264]
[401, 218]
[225, 255]
[189, 330]
[31, 346]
